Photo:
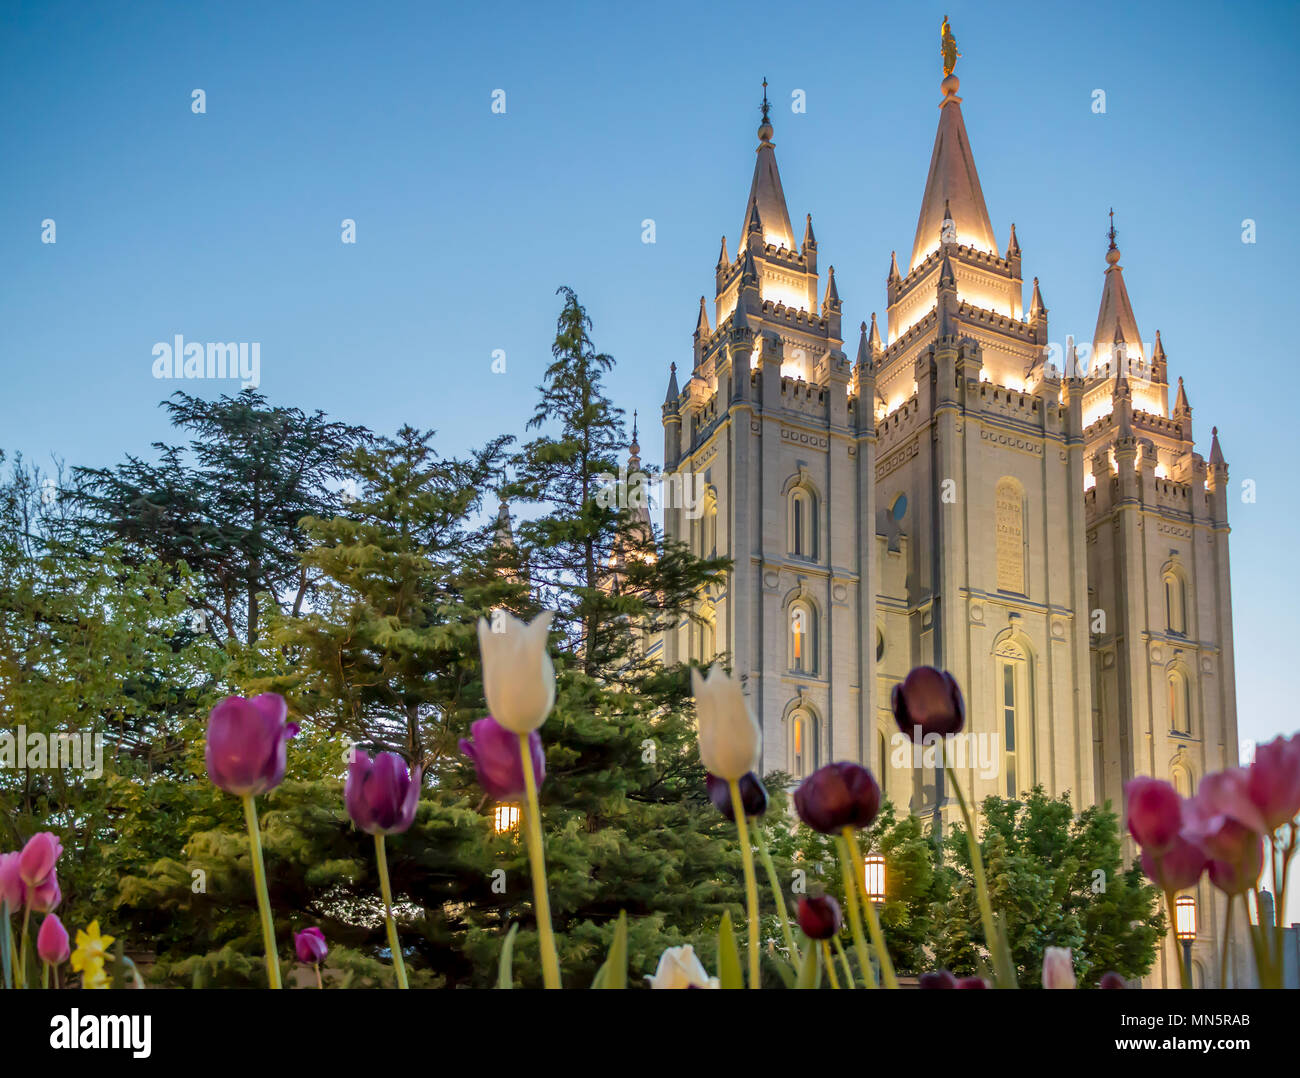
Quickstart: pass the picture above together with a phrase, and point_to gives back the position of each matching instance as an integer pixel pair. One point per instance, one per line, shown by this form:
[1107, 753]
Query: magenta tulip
[12, 889]
[928, 701]
[1179, 867]
[819, 916]
[381, 795]
[46, 895]
[498, 761]
[1273, 781]
[1155, 813]
[52, 941]
[1238, 876]
[247, 743]
[838, 796]
[971, 982]
[310, 946]
[39, 856]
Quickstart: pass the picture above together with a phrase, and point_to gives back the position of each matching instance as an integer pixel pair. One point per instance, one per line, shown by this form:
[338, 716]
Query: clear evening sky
[226, 226]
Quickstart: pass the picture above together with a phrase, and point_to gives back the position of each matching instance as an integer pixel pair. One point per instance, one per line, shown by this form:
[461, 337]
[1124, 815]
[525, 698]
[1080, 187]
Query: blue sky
[226, 226]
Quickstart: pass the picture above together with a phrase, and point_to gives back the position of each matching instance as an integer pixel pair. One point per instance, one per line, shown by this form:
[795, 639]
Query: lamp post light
[505, 818]
[1185, 929]
[875, 879]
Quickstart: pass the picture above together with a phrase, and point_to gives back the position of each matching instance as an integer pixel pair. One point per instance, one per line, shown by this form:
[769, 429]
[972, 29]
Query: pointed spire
[809, 240]
[1013, 244]
[724, 259]
[947, 276]
[504, 534]
[673, 391]
[894, 275]
[1158, 353]
[874, 340]
[747, 267]
[766, 197]
[832, 300]
[702, 329]
[1037, 308]
[864, 344]
[1181, 407]
[1115, 319]
[952, 186]
[1216, 453]
[1122, 405]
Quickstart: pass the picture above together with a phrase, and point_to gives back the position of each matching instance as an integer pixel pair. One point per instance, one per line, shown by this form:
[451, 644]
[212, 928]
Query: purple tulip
[753, 795]
[819, 916]
[1178, 868]
[39, 856]
[12, 889]
[52, 941]
[1155, 813]
[971, 982]
[247, 741]
[838, 796]
[1112, 980]
[381, 796]
[928, 701]
[939, 978]
[310, 945]
[1273, 781]
[498, 761]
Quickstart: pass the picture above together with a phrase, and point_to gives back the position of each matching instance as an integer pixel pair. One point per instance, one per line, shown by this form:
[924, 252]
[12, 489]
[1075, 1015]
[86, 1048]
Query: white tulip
[1058, 968]
[518, 675]
[730, 741]
[680, 968]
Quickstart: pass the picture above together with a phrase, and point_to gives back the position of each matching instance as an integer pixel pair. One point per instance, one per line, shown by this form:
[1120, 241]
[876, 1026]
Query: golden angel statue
[948, 47]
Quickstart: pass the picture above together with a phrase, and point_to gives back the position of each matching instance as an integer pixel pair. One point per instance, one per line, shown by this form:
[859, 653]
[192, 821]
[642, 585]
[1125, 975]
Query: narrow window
[1009, 725]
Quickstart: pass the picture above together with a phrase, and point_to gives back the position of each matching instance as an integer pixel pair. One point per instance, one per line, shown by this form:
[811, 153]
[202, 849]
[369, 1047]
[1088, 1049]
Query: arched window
[707, 631]
[803, 522]
[803, 644]
[1180, 714]
[803, 744]
[1013, 689]
[1175, 602]
[709, 528]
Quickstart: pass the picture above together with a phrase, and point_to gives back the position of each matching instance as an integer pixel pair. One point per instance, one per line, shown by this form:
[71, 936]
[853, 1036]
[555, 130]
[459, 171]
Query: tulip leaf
[5, 929]
[505, 975]
[810, 970]
[729, 975]
[613, 974]
[786, 971]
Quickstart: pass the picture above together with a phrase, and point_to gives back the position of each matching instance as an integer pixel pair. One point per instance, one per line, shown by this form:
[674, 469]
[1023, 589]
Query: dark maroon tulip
[498, 761]
[1178, 868]
[247, 740]
[1112, 980]
[380, 795]
[939, 978]
[1239, 875]
[753, 795]
[819, 916]
[1273, 782]
[838, 796]
[928, 701]
[1155, 813]
[310, 945]
[971, 982]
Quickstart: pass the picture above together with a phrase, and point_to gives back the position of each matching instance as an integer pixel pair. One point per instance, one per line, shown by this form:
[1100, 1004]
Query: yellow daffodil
[94, 975]
[91, 949]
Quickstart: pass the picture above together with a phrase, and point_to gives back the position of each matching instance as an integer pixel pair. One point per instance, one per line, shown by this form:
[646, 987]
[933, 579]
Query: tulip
[498, 761]
[1273, 781]
[971, 982]
[680, 968]
[819, 917]
[1238, 876]
[310, 945]
[52, 941]
[39, 856]
[1223, 795]
[46, 895]
[1112, 980]
[753, 795]
[928, 701]
[939, 978]
[1155, 813]
[730, 740]
[518, 675]
[380, 795]
[1178, 868]
[247, 739]
[1058, 968]
[837, 796]
[12, 889]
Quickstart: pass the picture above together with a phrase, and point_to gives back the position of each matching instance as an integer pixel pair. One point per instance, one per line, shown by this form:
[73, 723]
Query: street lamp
[505, 818]
[1185, 929]
[875, 879]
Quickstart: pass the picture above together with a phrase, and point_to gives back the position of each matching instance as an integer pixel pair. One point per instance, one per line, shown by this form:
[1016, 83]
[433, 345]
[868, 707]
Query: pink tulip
[310, 946]
[1273, 781]
[1154, 813]
[52, 941]
[39, 857]
[1239, 876]
[46, 896]
[1226, 794]
[12, 889]
[1179, 867]
[1058, 968]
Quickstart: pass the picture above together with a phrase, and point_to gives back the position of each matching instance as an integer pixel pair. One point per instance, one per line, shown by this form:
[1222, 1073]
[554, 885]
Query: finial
[765, 128]
[948, 50]
[1112, 252]
[634, 429]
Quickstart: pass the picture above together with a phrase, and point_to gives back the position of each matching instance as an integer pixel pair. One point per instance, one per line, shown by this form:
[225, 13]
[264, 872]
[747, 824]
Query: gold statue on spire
[947, 48]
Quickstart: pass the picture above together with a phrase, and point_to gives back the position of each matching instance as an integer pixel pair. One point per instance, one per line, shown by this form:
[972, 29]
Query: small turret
[809, 240]
[876, 347]
[1159, 363]
[724, 259]
[1013, 245]
[864, 347]
[673, 391]
[1216, 453]
[894, 275]
[832, 301]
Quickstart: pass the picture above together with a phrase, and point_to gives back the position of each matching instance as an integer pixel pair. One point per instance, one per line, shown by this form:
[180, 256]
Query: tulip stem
[751, 880]
[855, 919]
[777, 896]
[844, 961]
[263, 896]
[873, 923]
[45, 975]
[1006, 974]
[22, 953]
[537, 862]
[830, 964]
[1178, 944]
[385, 889]
[319, 982]
[1223, 950]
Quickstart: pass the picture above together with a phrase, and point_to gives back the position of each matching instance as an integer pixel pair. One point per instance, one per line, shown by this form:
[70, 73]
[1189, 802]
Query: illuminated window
[1180, 716]
[803, 652]
[505, 818]
[1009, 725]
[803, 523]
[1013, 686]
[1175, 603]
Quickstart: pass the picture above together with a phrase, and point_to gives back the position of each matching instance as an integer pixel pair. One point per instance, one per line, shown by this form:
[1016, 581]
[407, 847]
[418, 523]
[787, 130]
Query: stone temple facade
[960, 492]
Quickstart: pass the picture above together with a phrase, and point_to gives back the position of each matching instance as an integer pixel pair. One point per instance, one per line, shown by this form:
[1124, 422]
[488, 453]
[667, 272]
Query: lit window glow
[505, 818]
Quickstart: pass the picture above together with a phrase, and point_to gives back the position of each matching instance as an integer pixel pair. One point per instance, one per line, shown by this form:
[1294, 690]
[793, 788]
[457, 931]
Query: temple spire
[1115, 319]
[724, 259]
[634, 450]
[832, 300]
[702, 323]
[809, 240]
[766, 196]
[874, 339]
[1216, 453]
[673, 391]
[953, 184]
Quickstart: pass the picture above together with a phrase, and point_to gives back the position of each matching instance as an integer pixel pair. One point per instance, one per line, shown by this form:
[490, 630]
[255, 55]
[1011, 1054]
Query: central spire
[953, 181]
[1115, 318]
[766, 195]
